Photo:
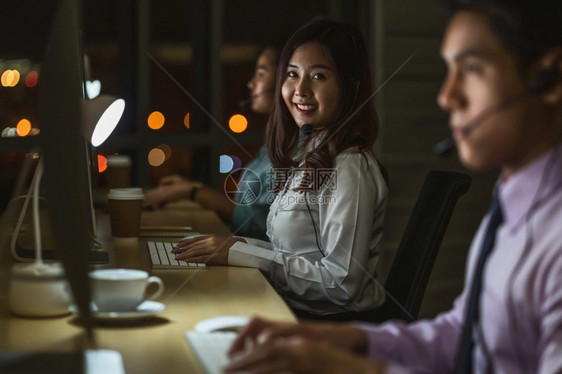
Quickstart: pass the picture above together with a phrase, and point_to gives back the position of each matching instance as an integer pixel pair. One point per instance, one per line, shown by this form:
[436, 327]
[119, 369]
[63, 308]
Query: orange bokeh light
[6, 78]
[10, 78]
[238, 123]
[156, 120]
[23, 127]
[186, 121]
[156, 157]
[102, 163]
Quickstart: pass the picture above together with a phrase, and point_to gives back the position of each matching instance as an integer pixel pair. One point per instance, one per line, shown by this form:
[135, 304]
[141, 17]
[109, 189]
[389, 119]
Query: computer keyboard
[165, 231]
[210, 348]
[161, 257]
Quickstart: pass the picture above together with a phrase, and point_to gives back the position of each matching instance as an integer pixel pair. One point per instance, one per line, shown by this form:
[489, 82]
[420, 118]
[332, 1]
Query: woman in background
[326, 222]
[246, 218]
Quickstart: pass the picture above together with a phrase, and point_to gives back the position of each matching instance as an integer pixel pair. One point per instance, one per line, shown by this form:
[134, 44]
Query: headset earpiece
[543, 81]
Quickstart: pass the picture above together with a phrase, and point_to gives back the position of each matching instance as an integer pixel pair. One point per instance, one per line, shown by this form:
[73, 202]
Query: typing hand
[299, 355]
[170, 188]
[209, 249]
[259, 331]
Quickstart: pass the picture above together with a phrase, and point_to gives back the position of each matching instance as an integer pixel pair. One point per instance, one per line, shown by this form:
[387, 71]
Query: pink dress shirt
[521, 301]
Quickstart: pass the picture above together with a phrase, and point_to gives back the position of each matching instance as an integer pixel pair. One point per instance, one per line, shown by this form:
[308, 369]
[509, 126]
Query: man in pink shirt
[503, 91]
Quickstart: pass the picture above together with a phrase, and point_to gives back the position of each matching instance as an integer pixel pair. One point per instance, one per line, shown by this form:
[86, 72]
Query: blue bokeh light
[225, 164]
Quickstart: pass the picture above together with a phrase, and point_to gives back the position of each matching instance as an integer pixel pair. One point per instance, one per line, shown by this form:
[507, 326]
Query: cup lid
[119, 160]
[131, 193]
[118, 274]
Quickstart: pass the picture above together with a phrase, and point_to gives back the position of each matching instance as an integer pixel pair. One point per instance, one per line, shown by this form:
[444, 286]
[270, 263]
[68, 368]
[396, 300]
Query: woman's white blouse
[322, 258]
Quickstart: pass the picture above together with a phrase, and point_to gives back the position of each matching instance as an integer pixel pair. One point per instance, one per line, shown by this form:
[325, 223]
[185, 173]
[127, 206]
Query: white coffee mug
[122, 290]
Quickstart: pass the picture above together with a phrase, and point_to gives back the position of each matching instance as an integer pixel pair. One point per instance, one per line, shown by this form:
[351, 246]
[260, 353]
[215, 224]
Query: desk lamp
[50, 297]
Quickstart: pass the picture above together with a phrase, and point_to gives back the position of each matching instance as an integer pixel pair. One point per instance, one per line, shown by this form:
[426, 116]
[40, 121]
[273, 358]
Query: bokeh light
[93, 88]
[31, 79]
[10, 78]
[102, 163]
[6, 78]
[238, 123]
[187, 121]
[156, 157]
[167, 150]
[156, 120]
[237, 163]
[23, 127]
[225, 164]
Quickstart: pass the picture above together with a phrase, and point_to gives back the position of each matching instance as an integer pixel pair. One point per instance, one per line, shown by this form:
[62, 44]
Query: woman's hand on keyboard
[209, 249]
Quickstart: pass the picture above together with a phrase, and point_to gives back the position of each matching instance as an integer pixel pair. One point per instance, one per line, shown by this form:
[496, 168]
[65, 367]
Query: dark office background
[195, 57]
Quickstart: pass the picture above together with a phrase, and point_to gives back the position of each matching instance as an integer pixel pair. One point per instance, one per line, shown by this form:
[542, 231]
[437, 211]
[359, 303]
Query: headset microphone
[247, 102]
[543, 82]
[307, 129]
[243, 104]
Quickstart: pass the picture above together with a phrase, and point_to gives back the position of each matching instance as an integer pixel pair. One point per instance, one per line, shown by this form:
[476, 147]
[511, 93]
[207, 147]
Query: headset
[247, 102]
[542, 82]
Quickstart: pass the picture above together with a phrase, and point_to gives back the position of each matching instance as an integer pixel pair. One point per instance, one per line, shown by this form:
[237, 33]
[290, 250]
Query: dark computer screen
[66, 183]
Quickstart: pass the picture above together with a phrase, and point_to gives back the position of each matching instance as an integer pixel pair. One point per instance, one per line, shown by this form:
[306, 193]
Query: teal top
[254, 197]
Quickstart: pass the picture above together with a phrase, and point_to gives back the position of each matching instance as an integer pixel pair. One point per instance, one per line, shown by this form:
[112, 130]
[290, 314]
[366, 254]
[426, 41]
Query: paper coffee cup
[125, 205]
[119, 171]
[122, 290]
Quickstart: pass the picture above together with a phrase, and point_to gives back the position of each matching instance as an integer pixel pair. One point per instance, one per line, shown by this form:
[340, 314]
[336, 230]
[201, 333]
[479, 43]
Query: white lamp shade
[101, 116]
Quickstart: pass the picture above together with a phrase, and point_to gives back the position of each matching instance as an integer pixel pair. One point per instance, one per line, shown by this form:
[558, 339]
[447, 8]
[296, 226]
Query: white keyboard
[165, 232]
[210, 348]
[161, 257]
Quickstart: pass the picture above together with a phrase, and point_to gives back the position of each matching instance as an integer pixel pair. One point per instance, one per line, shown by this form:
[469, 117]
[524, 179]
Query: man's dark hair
[528, 28]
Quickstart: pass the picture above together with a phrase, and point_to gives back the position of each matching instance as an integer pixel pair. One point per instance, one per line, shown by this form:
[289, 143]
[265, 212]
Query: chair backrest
[412, 265]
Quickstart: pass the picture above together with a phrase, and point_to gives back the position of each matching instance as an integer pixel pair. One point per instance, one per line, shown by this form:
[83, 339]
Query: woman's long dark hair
[349, 127]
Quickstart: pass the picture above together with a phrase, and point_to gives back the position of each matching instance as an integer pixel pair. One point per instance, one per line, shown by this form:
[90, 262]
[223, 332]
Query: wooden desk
[157, 345]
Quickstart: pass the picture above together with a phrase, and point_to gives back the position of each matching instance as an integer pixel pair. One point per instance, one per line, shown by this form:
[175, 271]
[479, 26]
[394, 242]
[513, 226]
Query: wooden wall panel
[411, 124]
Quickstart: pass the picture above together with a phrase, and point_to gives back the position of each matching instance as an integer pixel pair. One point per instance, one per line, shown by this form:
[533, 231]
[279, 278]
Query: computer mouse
[222, 323]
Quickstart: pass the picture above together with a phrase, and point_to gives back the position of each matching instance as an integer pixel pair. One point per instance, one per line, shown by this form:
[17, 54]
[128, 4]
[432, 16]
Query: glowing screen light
[156, 120]
[107, 122]
[156, 157]
[93, 88]
[102, 163]
[23, 127]
[225, 164]
[238, 123]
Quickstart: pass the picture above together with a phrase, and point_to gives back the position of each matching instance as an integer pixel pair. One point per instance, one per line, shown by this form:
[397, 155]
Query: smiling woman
[311, 89]
[325, 223]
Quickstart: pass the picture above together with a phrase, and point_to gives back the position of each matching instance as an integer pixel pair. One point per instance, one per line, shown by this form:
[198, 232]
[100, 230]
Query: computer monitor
[62, 81]
[66, 182]
[65, 187]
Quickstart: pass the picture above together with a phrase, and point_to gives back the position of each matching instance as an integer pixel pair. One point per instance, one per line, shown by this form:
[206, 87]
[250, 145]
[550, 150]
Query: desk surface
[156, 345]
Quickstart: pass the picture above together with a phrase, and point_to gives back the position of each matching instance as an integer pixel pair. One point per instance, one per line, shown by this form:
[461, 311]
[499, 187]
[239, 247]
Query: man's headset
[542, 82]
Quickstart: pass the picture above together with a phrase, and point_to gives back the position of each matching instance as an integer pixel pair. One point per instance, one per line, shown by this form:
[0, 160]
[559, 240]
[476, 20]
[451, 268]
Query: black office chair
[412, 265]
